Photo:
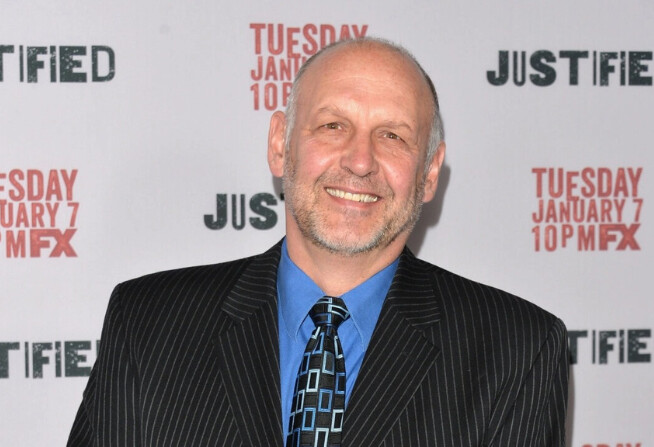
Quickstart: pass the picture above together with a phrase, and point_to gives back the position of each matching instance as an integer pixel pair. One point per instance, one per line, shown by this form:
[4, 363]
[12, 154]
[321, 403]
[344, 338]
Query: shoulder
[183, 281]
[182, 278]
[201, 287]
[488, 331]
[484, 310]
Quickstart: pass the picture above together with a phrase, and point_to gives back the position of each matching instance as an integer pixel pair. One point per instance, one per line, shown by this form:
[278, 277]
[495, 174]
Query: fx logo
[627, 240]
[40, 239]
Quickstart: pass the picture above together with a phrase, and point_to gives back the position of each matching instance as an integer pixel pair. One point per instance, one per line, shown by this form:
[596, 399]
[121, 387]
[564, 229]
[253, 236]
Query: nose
[359, 156]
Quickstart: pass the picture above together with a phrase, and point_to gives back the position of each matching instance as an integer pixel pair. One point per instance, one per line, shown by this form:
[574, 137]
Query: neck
[337, 273]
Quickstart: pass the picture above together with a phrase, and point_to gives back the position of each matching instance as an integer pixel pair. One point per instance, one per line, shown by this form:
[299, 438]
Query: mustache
[351, 182]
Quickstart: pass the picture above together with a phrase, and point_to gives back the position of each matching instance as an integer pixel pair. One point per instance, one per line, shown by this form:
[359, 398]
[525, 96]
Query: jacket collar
[249, 351]
[401, 351]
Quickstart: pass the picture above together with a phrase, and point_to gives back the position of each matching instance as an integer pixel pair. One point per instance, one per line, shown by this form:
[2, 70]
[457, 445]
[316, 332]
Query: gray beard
[308, 221]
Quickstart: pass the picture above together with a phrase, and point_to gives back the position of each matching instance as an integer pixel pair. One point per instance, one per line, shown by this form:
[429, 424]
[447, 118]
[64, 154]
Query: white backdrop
[111, 176]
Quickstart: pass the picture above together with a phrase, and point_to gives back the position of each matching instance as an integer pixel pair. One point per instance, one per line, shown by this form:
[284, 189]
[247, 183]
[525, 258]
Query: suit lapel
[400, 353]
[249, 351]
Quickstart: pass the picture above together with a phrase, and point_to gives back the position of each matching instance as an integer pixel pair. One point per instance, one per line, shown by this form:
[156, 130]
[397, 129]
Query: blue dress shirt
[297, 293]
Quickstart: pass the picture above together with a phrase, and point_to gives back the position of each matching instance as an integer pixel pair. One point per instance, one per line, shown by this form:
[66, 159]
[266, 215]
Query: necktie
[319, 399]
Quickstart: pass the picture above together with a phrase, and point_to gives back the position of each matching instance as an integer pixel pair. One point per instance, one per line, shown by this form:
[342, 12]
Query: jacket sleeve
[109, 410]
[537, 418]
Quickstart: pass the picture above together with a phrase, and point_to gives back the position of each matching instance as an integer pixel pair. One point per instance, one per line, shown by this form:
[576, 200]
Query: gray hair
[436, 133]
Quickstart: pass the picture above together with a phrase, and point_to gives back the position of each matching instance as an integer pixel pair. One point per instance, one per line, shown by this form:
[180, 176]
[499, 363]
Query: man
[209, 355]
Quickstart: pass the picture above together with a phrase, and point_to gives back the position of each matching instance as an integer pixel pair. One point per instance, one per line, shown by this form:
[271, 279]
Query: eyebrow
[340, 112]
[396, 124]
[330, 109]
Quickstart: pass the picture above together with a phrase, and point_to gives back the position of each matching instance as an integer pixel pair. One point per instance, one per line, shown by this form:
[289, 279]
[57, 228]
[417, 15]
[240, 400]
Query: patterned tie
[319, 399]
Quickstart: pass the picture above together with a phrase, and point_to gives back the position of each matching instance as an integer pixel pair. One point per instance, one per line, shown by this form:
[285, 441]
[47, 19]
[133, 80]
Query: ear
[277, 143]
[431, 179]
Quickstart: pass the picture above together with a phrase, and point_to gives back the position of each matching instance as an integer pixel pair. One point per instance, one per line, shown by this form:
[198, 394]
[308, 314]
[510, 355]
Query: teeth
[366, 198]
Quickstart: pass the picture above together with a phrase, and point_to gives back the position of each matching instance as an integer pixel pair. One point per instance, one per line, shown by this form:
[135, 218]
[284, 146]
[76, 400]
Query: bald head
[377, 50]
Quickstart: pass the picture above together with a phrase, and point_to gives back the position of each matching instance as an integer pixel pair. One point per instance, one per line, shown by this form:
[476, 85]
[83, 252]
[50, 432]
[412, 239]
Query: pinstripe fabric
[454, 363]
[465, 365]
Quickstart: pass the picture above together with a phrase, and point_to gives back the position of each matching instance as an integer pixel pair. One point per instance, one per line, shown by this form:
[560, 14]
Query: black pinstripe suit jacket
[191, 358]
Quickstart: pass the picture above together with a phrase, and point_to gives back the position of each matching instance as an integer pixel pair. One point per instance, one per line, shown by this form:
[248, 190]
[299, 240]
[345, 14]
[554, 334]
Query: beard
[346, 238]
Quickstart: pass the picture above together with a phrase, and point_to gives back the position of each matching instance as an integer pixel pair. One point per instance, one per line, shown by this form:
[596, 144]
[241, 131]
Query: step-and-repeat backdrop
[133, 139]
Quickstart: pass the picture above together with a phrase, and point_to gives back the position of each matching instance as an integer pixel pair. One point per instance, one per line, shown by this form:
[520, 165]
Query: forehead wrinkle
[330, 109]
[342, 104]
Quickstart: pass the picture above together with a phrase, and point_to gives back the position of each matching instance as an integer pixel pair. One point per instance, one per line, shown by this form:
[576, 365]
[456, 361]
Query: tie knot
[329, 311]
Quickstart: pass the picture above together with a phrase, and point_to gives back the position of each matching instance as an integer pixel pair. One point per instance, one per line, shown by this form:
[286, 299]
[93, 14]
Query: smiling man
[356, 161]
[338, 335]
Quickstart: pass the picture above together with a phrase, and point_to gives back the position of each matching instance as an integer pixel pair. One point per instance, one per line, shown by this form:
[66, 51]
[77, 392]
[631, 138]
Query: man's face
[354, 171]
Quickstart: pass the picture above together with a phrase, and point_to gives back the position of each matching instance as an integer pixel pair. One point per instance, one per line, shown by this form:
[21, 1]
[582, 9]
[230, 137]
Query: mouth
[354, 197]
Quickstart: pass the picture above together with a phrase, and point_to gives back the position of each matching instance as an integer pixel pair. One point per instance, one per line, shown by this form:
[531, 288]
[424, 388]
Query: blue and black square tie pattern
[319, 399]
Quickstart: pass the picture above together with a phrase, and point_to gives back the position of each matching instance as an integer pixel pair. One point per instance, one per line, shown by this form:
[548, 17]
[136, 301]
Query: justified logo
[47, 359]
[610, 346]
[260, 212]
[57, 63]
[602, 68]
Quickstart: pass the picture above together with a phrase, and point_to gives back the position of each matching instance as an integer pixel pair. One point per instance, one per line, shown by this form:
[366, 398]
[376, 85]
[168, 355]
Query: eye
[332, 126]
[393, 136]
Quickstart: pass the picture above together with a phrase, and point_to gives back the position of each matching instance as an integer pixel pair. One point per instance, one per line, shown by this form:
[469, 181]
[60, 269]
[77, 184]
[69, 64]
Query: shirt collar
[298, 293]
